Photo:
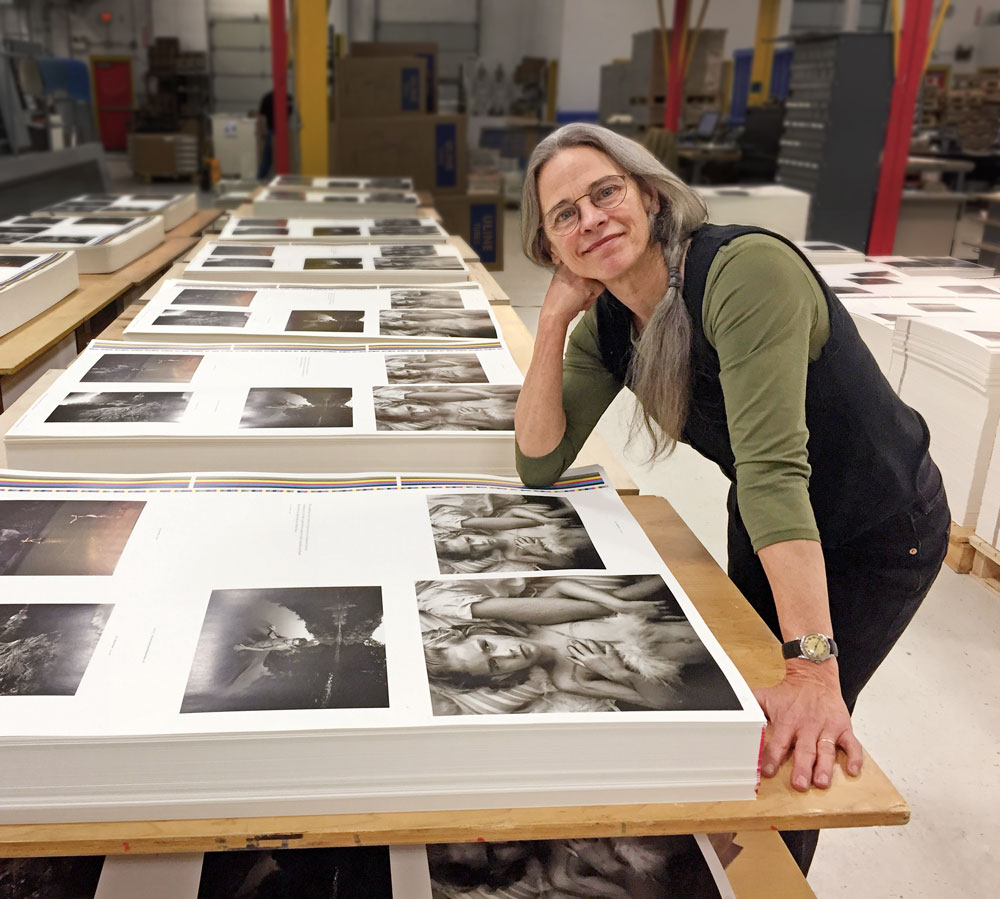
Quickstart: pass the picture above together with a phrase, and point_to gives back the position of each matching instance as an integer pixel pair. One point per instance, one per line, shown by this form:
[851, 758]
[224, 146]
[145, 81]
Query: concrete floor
[930, 717]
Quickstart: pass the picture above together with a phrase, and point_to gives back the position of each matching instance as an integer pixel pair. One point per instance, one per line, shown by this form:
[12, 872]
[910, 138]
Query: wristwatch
[814, 647]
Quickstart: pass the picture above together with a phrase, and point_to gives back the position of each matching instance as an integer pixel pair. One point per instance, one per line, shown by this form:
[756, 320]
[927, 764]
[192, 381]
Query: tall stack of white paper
[101, 243]
[136, 408]
[289, 203]
[174, 209]
[199, 311]
[665, 867]
[324, 264]
[32, 282]
[822, 252]
[239, 645]
[948, 369]
[334, 231]
[783, 210]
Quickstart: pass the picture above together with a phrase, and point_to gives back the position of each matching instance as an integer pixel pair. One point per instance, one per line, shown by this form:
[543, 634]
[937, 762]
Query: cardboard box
[478, 219]
[429, 148]
[387, 86]
[425, 50]
[704, 74]
[163, 154]
[234, 144]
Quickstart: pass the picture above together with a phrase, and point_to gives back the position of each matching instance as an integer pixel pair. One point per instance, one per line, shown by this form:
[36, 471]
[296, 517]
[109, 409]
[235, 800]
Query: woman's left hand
[808, 718]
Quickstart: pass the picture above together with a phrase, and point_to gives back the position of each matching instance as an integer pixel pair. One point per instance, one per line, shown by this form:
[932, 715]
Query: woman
[731, 343]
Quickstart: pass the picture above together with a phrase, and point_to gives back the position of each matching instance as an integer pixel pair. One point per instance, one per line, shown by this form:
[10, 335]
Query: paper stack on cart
[948, 369]
[32, 282]
[173, 209]
[323, 264]
[291, 203]
[668, 867]
[198, 311]
[140, 408]
[342, 183]
[215, 645]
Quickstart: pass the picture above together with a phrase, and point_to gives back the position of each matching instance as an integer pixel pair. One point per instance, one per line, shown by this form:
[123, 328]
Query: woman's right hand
[599, 658]
[569, 295]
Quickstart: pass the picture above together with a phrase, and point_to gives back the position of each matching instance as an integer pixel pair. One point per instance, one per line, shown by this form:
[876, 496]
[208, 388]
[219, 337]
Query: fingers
[855, 754]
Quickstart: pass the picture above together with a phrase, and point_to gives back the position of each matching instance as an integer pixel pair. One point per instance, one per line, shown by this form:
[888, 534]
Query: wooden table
[95, 303]
[867, 800]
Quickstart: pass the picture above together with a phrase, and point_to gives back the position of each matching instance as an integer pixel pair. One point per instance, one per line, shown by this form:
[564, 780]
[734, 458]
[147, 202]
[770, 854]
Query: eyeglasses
[606, 193]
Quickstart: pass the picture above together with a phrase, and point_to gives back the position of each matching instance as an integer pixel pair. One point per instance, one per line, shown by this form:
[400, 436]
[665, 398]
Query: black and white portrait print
[201, 318]
[333, 263]
[335, 320]
[419, 263]
[237, 262]
[428, 298]
[469, 323]
[435, 368]
[458, 407]
[597, 643]
[290, 648]
[230, 249]
[486, 532]
[209, 296]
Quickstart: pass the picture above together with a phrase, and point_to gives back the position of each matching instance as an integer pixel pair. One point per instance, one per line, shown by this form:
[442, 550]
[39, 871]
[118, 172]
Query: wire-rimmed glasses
[605, 193]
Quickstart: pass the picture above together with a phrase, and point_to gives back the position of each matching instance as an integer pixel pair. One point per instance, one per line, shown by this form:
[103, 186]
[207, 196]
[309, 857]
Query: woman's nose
[590, 215]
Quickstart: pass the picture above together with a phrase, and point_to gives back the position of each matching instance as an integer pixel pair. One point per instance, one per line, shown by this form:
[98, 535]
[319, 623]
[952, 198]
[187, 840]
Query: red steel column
[279, 72]
[912, 54]
[675, 83]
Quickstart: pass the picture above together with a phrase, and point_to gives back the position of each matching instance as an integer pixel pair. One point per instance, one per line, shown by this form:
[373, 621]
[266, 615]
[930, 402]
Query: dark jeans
[876, 584]
[266, 156]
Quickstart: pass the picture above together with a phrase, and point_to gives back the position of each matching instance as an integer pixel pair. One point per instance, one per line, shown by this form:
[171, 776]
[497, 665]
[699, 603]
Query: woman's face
[605, 242]
[491, 655]
[471, 545]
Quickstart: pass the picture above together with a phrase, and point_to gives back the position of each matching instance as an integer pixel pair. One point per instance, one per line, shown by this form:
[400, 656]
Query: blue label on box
[409, 89]
[483, 226]
[446, 155]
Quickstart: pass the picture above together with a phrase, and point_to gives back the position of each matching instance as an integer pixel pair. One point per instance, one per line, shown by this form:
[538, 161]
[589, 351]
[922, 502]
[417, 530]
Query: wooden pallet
[985, 563]
[961, 554]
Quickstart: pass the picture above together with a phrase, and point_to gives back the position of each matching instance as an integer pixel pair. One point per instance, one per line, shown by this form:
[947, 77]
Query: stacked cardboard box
[973, 109]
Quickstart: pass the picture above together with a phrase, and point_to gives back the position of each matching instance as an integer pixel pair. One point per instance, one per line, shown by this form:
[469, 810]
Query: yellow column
[763, 51]
[310, 37]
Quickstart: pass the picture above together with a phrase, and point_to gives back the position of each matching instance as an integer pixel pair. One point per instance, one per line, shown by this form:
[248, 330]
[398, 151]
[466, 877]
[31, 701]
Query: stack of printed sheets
[287, 202]
[217, 645]
[334, 231]
[173, 209]
[32, 282]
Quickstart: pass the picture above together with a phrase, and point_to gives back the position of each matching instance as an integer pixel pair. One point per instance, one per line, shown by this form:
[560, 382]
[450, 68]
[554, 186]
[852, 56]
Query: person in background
[266, 113]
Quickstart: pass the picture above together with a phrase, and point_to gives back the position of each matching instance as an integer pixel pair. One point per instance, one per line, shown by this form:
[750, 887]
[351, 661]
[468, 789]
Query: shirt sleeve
[767, 318]
[588, 389]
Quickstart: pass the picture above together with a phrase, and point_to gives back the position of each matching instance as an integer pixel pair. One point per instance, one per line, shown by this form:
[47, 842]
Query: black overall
[876, 495]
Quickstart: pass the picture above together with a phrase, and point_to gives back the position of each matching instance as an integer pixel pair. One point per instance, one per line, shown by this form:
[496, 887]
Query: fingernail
[822, 781]
[854, 770]
[800, 783]
[768, 771]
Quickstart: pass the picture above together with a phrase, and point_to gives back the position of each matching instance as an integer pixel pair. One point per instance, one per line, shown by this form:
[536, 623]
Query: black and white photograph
[337, 873]
[290, 648]
[344, 320]
[387, 183]
[298, 407]
[992, 336]
[939, 307]
[435, 368]
[429, 298]
[263, 231]
[45, 648]
[75, 240]
[16, 261]
[971, 289]
[208, 296]
[238, 262]
[430, 323]
[423, 263]
[336, 231]
[332, 263]
[145, 367]
[333, 184]
[873, 279]
[202, 318]
[47, 220]
[293, 179]
[338, 198]
[53, 537]
[285, 195]
[60, 877]
[389, 197]
[670, 867]
[409, 250]
[378, 230]
[238, 250]
[486, 532]
[261, 223]
[104, 220]
[459, 407]
[843, 290]
[13, 235]
[602, 643]
[139, 406]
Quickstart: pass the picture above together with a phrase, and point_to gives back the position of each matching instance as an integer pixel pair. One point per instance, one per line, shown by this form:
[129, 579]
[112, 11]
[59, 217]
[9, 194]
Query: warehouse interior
[306, 157]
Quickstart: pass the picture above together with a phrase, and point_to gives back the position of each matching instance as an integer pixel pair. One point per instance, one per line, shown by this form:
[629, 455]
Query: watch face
[815, 646]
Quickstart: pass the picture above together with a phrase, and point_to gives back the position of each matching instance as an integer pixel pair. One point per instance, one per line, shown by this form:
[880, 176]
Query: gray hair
[659, 373]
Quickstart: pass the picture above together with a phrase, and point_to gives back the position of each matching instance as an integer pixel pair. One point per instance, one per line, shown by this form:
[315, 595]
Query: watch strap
[793, 648]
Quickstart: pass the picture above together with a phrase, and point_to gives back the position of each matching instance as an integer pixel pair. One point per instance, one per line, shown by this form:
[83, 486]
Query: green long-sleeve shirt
[766, 317]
